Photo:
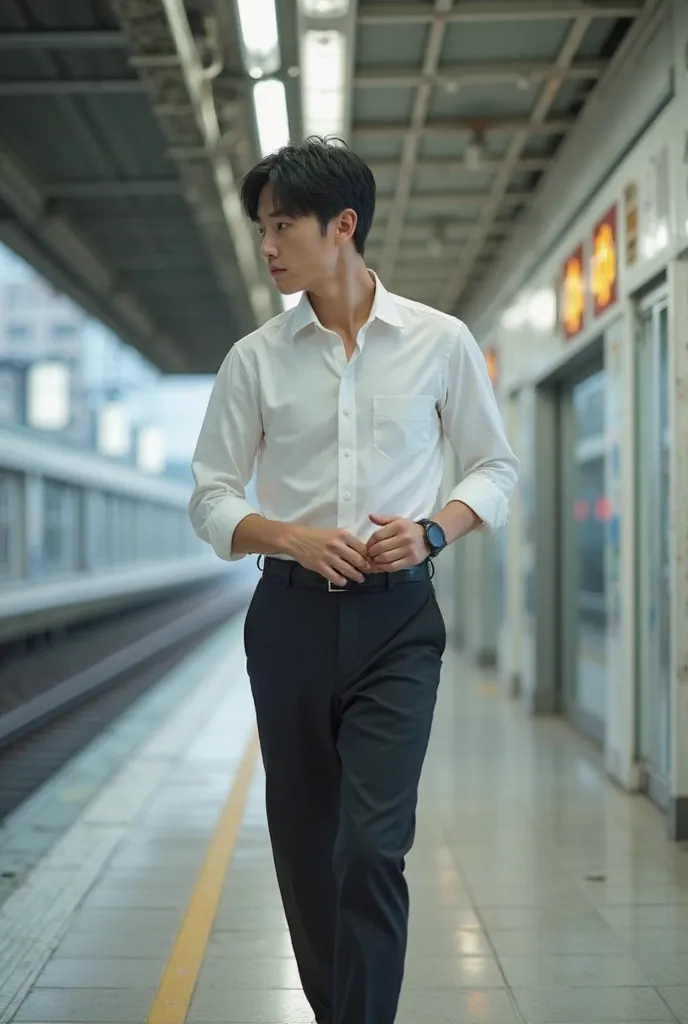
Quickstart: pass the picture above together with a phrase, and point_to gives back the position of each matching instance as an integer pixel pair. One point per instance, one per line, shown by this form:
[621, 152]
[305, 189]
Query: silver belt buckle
[334, 589]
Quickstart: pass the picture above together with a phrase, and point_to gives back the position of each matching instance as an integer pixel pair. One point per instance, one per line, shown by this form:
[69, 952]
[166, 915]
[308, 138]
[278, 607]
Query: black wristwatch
[434, 536]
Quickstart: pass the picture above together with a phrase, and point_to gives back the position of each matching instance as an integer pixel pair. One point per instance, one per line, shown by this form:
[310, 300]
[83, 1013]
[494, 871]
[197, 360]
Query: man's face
[297, 253]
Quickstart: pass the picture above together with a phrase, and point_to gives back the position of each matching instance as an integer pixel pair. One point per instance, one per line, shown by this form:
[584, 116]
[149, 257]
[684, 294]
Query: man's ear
[347, 222]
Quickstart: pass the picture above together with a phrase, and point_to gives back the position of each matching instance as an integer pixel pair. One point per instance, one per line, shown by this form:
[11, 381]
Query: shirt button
[347, 495]
[347, 453]
[345, 411]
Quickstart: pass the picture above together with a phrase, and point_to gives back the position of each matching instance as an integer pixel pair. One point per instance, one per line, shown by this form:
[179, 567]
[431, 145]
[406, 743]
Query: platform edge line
[180, 975]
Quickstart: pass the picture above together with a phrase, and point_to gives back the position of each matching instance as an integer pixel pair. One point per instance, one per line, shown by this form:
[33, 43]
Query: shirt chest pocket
[403, 424]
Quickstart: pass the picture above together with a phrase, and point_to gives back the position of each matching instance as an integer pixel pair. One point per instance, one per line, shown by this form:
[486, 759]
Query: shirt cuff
[221, 524]
[485, 499]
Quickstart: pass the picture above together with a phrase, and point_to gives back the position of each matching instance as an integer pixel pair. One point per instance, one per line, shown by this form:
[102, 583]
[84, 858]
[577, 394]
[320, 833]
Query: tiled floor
[540, 892]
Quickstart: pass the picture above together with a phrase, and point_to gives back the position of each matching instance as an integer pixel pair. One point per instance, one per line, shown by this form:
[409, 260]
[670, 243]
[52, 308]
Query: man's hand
[335, 554]
[399, 544]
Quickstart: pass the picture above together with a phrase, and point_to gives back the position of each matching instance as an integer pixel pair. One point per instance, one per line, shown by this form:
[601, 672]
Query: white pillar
[511, 637]
[620, 549]
[678, 497]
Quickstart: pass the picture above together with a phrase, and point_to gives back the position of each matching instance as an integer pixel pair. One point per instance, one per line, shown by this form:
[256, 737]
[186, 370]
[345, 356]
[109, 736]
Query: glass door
[584, 512]
[654, 633]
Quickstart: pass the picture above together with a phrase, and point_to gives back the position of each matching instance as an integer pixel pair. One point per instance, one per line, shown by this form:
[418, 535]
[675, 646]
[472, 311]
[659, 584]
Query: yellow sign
[573, 303]
[603, 272]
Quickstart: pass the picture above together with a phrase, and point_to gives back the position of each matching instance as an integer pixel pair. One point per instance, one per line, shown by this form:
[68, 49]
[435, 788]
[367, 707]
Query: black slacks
[344, 686]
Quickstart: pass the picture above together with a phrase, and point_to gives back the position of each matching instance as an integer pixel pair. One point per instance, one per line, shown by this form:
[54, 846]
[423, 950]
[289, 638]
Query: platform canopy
[126, 126]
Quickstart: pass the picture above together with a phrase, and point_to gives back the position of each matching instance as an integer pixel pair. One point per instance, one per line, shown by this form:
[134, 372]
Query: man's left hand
[398, 544]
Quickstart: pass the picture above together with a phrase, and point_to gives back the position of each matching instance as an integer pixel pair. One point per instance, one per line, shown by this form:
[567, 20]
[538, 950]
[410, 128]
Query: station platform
[539, 892]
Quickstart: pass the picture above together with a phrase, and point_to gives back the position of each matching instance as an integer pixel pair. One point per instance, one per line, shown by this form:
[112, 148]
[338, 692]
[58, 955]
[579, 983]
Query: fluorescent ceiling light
[325, 8]
[258, 20]
[270, 102]
[323, 74]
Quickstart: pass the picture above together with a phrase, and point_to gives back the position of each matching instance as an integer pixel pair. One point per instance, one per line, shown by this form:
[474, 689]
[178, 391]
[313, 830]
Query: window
[63, 332]
[9, 396]
[17, 295]
[10, 526]
[18, 333]
[60, 527]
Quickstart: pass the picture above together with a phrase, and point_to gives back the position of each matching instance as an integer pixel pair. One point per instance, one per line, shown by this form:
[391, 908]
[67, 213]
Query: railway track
[58, 693]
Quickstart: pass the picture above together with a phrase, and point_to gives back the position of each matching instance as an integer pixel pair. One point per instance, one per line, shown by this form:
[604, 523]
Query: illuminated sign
[492, 365]
[604, 263]
[573, 297]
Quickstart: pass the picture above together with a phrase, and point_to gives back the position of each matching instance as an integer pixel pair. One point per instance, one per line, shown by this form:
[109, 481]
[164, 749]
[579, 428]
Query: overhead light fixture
[325, 8]
[259, 36]
[437, 240]
[323, 76]
[476, 151]
[272, 119]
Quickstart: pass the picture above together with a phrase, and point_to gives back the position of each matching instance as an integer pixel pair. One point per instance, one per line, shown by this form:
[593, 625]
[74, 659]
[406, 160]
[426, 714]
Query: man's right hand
[335, 554]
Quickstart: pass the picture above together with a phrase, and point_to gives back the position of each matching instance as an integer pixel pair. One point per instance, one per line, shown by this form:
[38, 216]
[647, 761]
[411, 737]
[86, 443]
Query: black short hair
[318, 177]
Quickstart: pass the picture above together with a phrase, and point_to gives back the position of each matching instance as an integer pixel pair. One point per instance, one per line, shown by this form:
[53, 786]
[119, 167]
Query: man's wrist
[256, 535]
[287, 539]
[457, 520]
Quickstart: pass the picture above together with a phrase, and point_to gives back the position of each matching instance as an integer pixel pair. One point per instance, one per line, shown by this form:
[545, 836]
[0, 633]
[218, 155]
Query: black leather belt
[292, 574]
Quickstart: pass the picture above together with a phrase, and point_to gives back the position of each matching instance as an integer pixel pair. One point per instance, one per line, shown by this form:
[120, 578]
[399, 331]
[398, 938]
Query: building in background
[64, 373]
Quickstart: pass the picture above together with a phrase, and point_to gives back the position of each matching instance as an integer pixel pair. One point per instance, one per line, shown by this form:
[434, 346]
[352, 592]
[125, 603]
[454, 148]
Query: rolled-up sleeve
[225, 454]
[473, 423]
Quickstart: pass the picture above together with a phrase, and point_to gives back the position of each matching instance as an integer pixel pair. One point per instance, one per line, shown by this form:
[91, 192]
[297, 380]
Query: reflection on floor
[591, 669]
[549, 883]
[540, 892]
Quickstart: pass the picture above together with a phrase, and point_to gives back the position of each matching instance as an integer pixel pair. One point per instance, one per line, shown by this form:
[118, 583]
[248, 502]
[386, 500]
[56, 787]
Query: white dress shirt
[332, 441]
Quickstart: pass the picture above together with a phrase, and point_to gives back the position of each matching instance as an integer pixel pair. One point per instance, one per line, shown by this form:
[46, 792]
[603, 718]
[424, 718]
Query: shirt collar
[384, 308]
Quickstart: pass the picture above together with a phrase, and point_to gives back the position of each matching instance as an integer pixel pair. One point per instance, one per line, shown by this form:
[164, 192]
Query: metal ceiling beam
[420, 232]
[59, 39]
[445, 202]
[523, 73]
[454, 126]
[411, 254]
[31, 205]
[113, 189]
[450, 165]
[460, 273]
[187, 115]
[412, 138]
[427, 267]
[372, 13]
[75, 87]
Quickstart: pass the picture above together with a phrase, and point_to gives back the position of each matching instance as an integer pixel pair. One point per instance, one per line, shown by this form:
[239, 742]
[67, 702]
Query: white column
[511, 637]
[445, 564]
[620, 548]
[678, 410]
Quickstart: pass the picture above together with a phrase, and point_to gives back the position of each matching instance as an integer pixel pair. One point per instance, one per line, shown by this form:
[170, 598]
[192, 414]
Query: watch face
[435, 536]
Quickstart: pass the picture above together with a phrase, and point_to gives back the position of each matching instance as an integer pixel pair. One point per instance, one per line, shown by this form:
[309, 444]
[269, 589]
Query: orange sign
[573, 297]
[491, 361]
[604, 262]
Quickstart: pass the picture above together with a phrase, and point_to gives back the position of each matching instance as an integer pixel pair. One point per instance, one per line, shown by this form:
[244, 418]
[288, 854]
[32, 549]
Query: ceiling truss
[500, 155]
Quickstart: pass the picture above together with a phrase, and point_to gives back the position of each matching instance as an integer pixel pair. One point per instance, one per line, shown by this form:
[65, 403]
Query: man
[341, 405]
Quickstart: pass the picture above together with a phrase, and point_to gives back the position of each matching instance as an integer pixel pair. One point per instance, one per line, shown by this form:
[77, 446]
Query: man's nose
[267, 248]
